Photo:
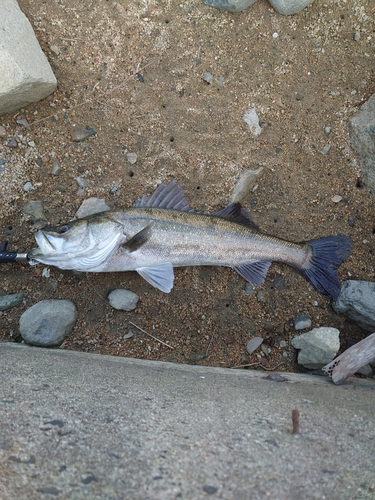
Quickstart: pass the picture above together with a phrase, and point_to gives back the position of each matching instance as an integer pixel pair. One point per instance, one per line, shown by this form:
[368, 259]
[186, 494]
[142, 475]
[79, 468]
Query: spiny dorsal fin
[166, 196]
[236, 213]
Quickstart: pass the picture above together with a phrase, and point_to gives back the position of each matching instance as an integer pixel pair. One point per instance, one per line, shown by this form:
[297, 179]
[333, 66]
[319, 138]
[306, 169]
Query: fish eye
[64, 229]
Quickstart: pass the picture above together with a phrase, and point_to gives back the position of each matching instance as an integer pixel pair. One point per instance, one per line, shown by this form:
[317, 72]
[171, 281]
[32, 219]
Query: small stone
[327, 130]
[229, 340]
[210, 490]
[261, 296]
[80, 133]
[34, 208]
[123, 300]
[3, 131]
[56, 167]
[230, 5]
[31, 144]
[317, 347]
[11, 300]
[365, 370]
[252, 119]
[283, 343]
[249, 289]
[336, 199]
[325, 150]
[253, 344]
[24, 123]
[2, 161]
[27, 186]
[246, 181]
[302, 322]
[91, 206]
[208, 78]
[357, 36]
[81, 182]
[48, 322]
[12, 143]
[132, 158]
[289, 7]
[128, 335]
[55, 49]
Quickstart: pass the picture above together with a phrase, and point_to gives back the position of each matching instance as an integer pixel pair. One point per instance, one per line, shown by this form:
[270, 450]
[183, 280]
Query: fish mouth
[45, 244]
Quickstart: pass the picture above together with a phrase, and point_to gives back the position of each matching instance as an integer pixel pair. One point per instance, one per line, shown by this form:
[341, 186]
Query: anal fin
[160, 276]
[254, 272]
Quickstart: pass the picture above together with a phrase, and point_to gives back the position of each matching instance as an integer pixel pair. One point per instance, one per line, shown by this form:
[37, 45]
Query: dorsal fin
[166, 196]
[236, 213]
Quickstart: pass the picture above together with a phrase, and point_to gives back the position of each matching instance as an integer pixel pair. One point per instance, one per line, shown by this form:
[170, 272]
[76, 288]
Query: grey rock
[261, 296]
[289, 7]
[92, 206]
[362, 138]
[283, 343]
[3, 131]
[123, 300]
[252, 119]
[132, 158]
[246, 181]
[208, 78]
[302, 322]
[365, 370]
[56, 167]
[34, 208]
[12, 143]
[327, 130]
[357, 301]
[26, 75]
[11, 300]
[253, 344]
[82, 182]
[24, 123]
[357, 36]
[249, 289]
[80, 133]
[317, 347]
[230, 5]
[27, 186]
[48, 322]
[326, 149]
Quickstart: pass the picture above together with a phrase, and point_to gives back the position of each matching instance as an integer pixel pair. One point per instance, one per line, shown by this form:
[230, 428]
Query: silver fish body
[162, 232]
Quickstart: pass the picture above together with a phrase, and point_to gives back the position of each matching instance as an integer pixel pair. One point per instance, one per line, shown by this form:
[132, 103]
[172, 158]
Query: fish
[161, 232]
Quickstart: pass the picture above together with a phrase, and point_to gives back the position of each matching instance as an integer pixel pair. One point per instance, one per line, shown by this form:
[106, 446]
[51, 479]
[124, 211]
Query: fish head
[81, 245]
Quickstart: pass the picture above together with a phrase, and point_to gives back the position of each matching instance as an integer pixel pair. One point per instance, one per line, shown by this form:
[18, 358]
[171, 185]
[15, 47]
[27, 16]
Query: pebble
[48, 322]
[208, 78]
[357, 36]
[230, 5]
[302, 322]
[56, 167]
[91, 206]
[34, 208]
[317, 347]
[81, 182]
[12, 143]
[132, 158]
[249, 289]
[252, 119]
[123, 300]
[11, 300]
[336, 199]
[357, 301]
[27, 186]
[283, 343]
[325, 150]
[24, 123]
[80, 133]
[253, 344]
[2, 161]
[3, 131]
[261, 296]
[55, 50]
[31, 144]
[246, 181]
[327, 130]
[128, 335]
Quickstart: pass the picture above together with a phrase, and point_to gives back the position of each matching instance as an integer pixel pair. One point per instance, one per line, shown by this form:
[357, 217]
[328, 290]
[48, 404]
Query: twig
[149, 334]
[258, 364]
[209, 344]
[295, 422]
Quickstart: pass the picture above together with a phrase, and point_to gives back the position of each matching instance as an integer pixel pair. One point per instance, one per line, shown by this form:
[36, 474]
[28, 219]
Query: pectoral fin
[160, 276]
[138, 239]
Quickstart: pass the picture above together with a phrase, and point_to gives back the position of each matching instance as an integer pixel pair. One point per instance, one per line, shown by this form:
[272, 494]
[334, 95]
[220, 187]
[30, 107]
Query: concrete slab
[79, 426]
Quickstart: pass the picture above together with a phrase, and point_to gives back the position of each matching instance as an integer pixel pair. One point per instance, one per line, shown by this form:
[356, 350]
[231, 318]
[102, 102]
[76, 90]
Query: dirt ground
[134, 70]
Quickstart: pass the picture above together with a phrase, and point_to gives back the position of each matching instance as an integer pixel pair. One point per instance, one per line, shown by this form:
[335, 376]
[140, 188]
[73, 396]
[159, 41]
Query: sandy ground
[134, 71]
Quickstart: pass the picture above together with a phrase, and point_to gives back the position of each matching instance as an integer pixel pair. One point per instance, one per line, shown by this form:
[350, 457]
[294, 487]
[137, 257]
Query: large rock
[357, 301]
[362, 137]
[26, 75]
[318, 347]
[48, 322]
[288, 7]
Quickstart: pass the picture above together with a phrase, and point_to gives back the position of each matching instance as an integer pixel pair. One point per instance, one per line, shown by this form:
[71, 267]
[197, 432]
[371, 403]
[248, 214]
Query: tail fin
[327, 255]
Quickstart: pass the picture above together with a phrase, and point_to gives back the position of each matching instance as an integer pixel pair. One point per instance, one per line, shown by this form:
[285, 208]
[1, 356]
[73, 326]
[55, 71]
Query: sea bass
[162, 232]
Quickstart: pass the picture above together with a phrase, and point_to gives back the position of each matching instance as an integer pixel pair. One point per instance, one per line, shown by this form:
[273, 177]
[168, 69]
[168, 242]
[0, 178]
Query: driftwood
[350, 361]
